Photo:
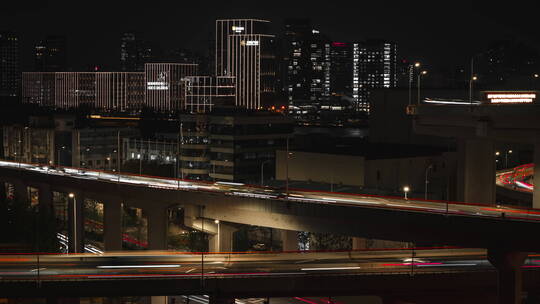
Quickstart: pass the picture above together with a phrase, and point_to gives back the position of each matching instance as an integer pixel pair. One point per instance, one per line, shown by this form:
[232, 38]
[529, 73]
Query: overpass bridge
[436, 222]
[452, 274]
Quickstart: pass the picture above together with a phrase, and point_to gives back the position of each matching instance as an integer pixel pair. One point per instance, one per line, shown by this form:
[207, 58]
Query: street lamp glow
[475, 78]
[497, 153]
[510, 151]
[71, 195]
[216, 221]
[417, 64]
[406, 190]
[424, 72]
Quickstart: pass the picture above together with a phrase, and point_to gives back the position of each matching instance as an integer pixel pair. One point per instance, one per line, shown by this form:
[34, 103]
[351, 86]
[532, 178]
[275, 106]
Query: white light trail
[137, 266]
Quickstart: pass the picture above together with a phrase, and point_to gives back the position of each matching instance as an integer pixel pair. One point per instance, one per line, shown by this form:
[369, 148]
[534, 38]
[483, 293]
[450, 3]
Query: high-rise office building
[334, 76]
[106, 91]
[128, 52]
[244, 49]
[9, 64]
[135, 53]
[39, 88]
[50, 54]
[202, 93]
[306, 66]
[164, 85]
[377, 68]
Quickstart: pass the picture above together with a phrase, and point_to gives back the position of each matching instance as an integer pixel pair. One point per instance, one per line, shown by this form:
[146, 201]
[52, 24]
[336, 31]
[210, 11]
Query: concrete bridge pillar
[112, 219]
[476, 171]
[509, 276]
[536, 193]
[289, 240]
[76, 222]
[2, 191]
[21, 191]
[157, 228]
[45, 197]
[222, 241]
[158, 299]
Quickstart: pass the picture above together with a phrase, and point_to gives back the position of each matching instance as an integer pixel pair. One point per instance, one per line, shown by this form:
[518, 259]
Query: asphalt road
[299, 195]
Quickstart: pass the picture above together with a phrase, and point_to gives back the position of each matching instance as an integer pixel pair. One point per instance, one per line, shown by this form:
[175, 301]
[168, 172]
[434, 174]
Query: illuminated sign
[511, 97]
[157, 85]
[249, 42]
[339, 44]
[237, 29]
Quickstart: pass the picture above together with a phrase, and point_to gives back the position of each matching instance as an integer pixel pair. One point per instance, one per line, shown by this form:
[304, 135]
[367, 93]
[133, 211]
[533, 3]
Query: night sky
[442, 35]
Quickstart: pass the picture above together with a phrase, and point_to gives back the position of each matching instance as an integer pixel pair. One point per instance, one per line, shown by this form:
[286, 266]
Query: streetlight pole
[182, 141]
[262, 171]
[411, 77]
[406, 190]
[427, 181]
[287, 169]
[471, 80]
[506, 157]
[418, 84]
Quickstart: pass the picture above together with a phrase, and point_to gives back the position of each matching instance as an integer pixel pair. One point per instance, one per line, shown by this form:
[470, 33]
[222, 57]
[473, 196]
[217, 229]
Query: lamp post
[419, 78]
[262, 171]
[58, 161]
[73, 229]
[406, 190]
[506, 157]
[471, 81]
[109, 161]
[411, 77]
[427, 181]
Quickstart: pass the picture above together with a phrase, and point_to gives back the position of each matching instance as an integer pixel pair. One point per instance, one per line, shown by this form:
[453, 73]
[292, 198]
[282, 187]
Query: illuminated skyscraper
[244, 49]
[317, 71]
[9, 64]
[377, 68]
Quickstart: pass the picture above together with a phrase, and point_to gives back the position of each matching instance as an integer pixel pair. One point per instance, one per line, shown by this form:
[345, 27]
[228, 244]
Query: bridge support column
[76, 222]
[476, 171]
[222, 241]
[158, 299]
[220, 300]
[289, 240]
[536, 193]
[113, 225]
[157, 229]
[45, 197]
[21, 191]
[509, 278]
[2, 191]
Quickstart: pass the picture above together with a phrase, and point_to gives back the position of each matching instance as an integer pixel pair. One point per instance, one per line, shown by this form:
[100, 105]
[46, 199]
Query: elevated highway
[468, 225]
[399, 273]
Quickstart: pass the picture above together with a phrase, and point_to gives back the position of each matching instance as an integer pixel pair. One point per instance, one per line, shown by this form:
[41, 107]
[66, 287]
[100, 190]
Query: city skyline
[451, 38]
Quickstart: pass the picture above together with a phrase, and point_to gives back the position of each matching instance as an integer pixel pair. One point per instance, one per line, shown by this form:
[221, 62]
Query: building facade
[135, 53]
[9, 65]
[241, 143]
[107, 91]
[50, 54]
[164, 85]
[202, 93]
[245, 49]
